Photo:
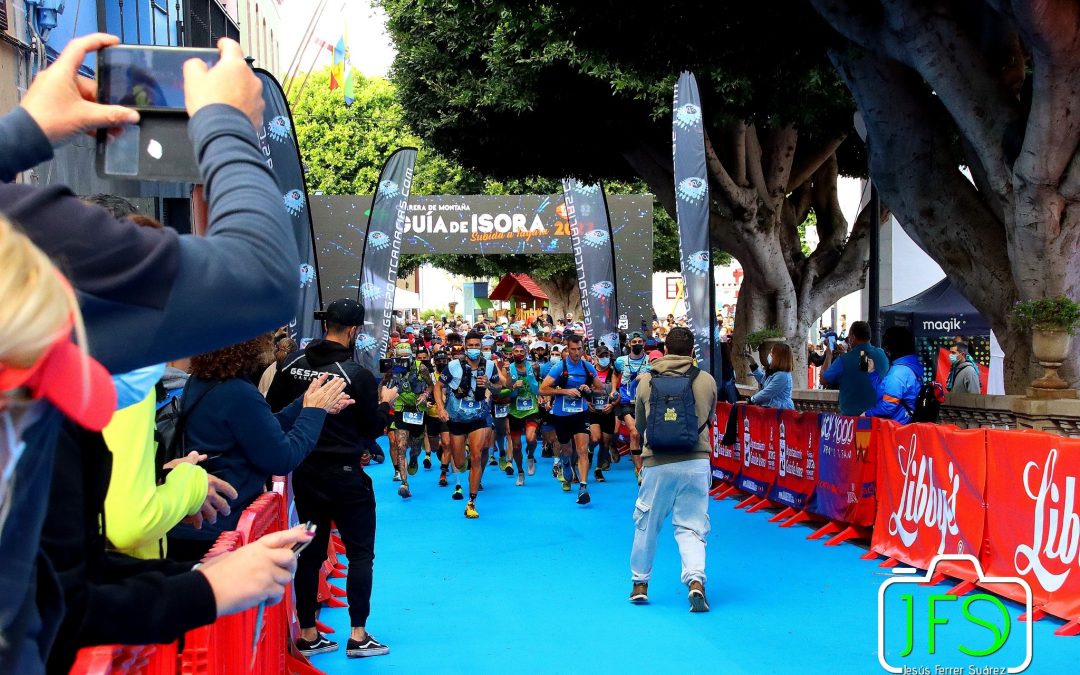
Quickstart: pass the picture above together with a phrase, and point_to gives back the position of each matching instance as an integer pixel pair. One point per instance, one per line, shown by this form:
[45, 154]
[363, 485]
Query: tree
[344, 149]
[994, 86]
[584, 89]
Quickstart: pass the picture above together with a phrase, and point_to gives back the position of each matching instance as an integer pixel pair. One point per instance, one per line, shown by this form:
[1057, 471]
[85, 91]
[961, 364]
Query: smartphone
[864, 362]
[146, 78]
[386, 366]
[309, 527]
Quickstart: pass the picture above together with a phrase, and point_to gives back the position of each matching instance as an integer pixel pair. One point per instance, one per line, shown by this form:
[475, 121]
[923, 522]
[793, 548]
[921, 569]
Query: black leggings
[335, 489]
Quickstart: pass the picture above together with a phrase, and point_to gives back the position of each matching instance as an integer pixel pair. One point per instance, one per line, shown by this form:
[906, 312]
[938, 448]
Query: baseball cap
[403, 349]
[487, 341]
[650, 343]
[634, 335]
[343, 312]
[75, 383]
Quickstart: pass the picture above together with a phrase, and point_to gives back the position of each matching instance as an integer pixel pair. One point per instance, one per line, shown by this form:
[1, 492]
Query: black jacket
[354, 430]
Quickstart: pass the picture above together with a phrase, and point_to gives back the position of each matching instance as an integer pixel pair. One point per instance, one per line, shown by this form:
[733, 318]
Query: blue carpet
[539, 584]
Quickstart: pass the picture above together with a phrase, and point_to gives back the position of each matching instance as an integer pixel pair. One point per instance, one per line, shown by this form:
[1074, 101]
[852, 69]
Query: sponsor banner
[931, 484]
[757, 441]
[692, 211]
[488, 225]
[382, 254]
[594, 260]
[846, 486]
[279, 147]
[797, 443]
[726, 459]
[1032, 524]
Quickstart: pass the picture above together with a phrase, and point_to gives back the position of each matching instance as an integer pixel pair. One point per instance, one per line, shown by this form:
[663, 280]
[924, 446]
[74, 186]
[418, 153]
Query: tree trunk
[563, 295]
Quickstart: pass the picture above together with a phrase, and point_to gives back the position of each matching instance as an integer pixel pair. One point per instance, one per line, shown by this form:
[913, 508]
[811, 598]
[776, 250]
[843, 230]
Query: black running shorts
[568, 426]
[518, 424]
[606, 422]
[624, 409]
[466, 428]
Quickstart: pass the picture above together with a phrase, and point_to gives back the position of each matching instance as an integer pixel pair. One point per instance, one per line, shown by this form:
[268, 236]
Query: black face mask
[637, 349]
[518, 358]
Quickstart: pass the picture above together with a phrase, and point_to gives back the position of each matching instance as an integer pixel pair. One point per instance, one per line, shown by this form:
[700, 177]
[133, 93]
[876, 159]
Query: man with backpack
[570, 382]
[675, 406]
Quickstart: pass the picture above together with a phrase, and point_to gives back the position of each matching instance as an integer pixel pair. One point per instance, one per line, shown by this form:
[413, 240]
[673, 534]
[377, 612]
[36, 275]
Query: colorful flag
[594, 258]
[337, 67]
[692, 210]
[382, 252]
[350, 94]
[279, 145]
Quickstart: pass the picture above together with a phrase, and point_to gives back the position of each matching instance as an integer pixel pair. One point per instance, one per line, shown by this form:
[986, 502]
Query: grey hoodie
[704, 398]
[174, 378]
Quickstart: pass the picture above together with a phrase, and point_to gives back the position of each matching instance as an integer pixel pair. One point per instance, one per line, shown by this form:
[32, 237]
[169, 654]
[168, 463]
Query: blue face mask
[604, 362]
[770, 359]
[473, 354]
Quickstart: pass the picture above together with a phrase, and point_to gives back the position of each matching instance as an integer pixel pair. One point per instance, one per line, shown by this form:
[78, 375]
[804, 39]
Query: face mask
[770, 359]
[473, 354]
[953, 358]
[555, 358]
[487, 354]
[518, 358]
[637, 349]
[604, 362]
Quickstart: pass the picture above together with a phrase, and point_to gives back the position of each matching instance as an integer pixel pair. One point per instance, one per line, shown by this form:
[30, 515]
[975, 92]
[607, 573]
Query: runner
[602, 413]
[627, 370]
[524, 410]
[413, 381]
[500, 413]
[438, 434]
[571, 383]
[463, 405]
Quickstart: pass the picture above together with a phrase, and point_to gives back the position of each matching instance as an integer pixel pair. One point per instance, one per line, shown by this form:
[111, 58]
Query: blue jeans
[681, 490]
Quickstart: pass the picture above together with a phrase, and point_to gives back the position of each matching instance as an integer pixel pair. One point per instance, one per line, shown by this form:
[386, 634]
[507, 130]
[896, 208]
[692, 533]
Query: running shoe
[509, 469]
[458, 494]
[397, 476]
[598, 476]
[320, 645]
[493, 461]
[583, 497]
[698, 603]
[427, 461]
[640, 594]
[556, 471]
[442, 479]
[520, 480]
[503, 463]
[614, 454]
[369, 646]
[565, 487]
[531, 466]
[403, 491]
[414, 465]
[547, 452]
[470, 510]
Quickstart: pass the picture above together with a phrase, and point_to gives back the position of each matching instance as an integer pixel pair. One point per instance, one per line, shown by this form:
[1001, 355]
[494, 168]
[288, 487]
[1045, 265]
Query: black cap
[343, 312]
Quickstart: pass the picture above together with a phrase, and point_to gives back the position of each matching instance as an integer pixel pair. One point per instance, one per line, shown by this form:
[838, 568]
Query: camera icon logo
[925, 630]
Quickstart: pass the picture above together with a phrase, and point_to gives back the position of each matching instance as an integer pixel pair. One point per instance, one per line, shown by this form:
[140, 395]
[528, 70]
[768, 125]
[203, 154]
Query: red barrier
[726, 459]
[931, 488]
[846, 489]
[758, 447]
[797, 445]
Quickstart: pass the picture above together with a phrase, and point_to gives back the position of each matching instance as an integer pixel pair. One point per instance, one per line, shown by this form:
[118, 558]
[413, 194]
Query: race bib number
[414, 418]
[599, 401]
[470, 405]
[502, 409]
[524, 404]
[572, 405]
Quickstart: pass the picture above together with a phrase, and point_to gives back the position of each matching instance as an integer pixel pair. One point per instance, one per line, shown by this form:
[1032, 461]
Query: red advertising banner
[1032, 524]
[944, 365]
[726, 459]
[797, 439]
[757, 442]
[846, 471]
[931, 484]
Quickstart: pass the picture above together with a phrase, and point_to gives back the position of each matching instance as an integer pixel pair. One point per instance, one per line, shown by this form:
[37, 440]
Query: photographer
[850, 371]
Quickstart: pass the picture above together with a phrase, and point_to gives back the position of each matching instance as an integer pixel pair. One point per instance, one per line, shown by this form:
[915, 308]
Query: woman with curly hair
[228, 421]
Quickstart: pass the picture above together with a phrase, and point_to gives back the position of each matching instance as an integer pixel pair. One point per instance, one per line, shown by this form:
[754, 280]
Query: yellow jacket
[138, 511]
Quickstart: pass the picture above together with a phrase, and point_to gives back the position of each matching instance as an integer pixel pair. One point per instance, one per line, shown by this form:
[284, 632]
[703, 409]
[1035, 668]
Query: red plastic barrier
[797, 445]
[133, 659]
[757, 444]
[931, 490]
[726, 460]
[1031, 519]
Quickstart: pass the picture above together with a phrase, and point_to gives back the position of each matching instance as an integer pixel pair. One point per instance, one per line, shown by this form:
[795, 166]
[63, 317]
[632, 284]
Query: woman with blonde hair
[775, 380]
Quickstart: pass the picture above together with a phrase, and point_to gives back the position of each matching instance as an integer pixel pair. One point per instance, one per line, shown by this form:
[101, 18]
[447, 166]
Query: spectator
[963, 375]
[651, 349]
[283, 346]
[857, 393]
[676, 482]
[231, 423]
[727, 391]
[899, 388]
[775, 381]
[330, 485]
[179, 294]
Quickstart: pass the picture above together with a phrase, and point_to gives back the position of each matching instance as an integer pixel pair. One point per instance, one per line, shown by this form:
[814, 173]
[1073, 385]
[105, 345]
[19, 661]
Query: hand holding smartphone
[299, 546]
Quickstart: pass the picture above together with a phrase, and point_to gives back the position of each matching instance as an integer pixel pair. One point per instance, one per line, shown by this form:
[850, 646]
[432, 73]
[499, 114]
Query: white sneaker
[397, 476]
[531, 465]
[520, 480]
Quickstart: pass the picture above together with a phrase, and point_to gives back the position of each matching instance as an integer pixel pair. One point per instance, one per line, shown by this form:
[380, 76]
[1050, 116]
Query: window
[3, 15]
[671, 287]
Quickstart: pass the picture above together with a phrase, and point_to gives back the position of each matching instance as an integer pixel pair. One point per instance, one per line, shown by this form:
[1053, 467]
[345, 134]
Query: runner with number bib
[571, 383]
[602, 413]
[627, 370]
[524, 409]
[413, 382]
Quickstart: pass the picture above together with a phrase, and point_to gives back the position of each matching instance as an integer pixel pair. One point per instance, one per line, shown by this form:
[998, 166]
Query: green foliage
[1060, 313]
[755, 339]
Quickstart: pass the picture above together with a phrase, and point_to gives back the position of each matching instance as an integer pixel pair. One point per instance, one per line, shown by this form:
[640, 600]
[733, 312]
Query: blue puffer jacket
[898, 390]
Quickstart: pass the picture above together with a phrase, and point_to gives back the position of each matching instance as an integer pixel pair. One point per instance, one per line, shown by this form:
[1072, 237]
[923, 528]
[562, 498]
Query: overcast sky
[370, 46]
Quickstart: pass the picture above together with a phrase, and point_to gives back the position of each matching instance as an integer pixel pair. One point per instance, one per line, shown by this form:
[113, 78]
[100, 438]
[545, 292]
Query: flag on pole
[382, 252]
[350, 94]
[337, 67]
[594, 258]
[692, 210]
[279, 143]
